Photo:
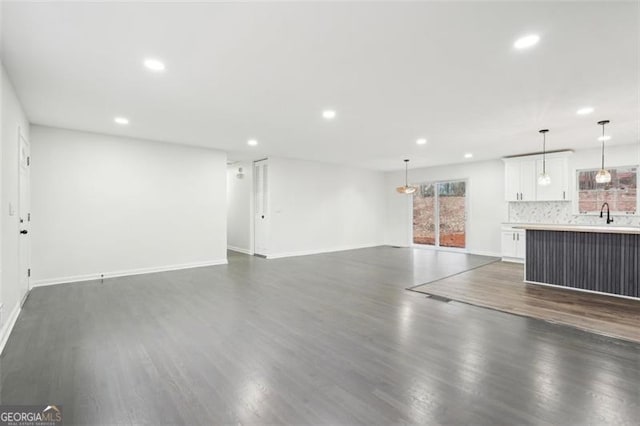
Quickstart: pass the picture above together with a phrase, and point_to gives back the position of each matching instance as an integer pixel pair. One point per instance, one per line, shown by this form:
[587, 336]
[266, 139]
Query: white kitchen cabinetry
[521, 178]
[558, 170]
[513, 244]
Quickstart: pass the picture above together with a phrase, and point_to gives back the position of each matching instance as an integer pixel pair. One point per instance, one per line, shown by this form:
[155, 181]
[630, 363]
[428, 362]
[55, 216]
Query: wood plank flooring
[326, 339]
[500, 286]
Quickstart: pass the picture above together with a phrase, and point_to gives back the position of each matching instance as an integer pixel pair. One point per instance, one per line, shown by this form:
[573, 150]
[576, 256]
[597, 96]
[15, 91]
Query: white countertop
[608, 229]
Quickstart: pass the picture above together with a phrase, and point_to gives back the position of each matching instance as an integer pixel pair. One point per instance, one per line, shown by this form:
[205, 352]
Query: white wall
[12, 118]
[486, 206]
[115, 206]
[240, 208]
[316, 207]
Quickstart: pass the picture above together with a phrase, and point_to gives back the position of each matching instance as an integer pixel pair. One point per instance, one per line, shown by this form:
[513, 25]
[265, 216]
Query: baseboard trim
[7, 328]
[240, 250]
[485, 253]
[322, 251]
[97, 276]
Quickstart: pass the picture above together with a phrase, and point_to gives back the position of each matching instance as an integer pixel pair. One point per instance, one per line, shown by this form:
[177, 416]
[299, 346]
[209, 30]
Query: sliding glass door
[440, 214]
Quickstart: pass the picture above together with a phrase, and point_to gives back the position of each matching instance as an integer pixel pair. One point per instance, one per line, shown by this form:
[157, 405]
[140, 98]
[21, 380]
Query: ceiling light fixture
[603, 176]
[584, 111]
[421, 141]
[406, 189]
[604, 138]
[154, 65]
[329, 114]
[544, 179]
[121, 121]
[526, 41]
[252, 142]
[468, 155]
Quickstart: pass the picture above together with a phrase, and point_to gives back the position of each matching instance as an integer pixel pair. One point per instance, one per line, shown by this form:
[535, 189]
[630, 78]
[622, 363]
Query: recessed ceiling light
[252, 142]
[421, 141]
[468, 155]
[584, 111]
[121, 120]
[154, 65]
[604, 138]
[526, 41]
[329, 114]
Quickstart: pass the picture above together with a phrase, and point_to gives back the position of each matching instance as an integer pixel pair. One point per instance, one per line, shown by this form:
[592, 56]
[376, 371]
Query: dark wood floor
[327, 339]
[500, 285]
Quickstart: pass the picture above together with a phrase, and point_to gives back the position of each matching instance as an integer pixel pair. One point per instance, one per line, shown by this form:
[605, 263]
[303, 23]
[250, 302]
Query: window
[621, 193]
[439, 214]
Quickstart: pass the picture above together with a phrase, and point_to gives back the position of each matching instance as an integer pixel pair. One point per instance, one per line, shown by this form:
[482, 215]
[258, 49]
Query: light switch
[12, 210]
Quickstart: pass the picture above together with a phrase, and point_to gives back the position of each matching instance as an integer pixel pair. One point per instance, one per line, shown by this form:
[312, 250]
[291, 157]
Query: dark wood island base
[605, 260]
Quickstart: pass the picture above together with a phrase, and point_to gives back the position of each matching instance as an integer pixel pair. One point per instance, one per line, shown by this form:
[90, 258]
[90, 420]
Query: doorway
[24, 214]
[261, 207]
[440, 214]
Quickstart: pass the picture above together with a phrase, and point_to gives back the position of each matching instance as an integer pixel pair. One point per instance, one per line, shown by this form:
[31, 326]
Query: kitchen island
[604, 259]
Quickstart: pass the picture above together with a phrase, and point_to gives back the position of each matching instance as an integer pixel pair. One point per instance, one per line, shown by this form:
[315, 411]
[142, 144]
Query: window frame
[467, 218]
[576, 204]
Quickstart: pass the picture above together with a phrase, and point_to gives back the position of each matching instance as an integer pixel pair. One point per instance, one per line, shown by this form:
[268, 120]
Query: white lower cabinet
[513, 244]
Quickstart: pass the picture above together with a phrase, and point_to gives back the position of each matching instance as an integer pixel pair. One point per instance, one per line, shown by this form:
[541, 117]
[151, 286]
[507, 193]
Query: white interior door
[261, 200]
[24, 215]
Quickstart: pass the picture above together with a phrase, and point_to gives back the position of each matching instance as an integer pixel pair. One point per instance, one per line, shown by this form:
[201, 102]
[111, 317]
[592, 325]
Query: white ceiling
[394, 72]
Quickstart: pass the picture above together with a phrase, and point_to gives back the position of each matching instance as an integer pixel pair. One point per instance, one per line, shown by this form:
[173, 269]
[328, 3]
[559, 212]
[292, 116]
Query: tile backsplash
[561, 212]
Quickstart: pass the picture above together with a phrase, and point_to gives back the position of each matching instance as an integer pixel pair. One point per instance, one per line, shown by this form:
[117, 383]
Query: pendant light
[544, 179]
[603, 175]
[406, 189]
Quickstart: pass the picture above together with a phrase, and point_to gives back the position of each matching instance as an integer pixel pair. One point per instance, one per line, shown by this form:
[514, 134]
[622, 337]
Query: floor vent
[439, 298]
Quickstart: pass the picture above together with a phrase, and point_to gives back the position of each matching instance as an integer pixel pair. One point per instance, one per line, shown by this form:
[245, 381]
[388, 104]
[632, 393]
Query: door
[452, 214]
[509, 247]
[528, 180]
[512, 181]
[521, 244]
[440, 214]
[24, 215]
[557, 189]
[261, 206]
[424, 215]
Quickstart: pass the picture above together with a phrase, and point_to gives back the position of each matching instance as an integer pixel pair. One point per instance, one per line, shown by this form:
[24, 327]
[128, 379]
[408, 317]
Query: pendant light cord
[602, 146]
[544, 153]
[406, 173]
[544, 150]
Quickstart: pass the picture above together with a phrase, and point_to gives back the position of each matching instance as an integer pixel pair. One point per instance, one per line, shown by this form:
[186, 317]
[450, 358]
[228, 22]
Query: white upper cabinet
[528, 180]
[512, 181]
[558, 189]
[521, 178]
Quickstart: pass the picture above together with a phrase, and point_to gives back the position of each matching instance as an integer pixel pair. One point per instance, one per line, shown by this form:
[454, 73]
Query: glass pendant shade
[406, 189]
[603, 176]
[544, 179]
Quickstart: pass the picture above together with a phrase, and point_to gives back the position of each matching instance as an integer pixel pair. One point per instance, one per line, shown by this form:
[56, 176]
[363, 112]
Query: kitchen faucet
[609, 218]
